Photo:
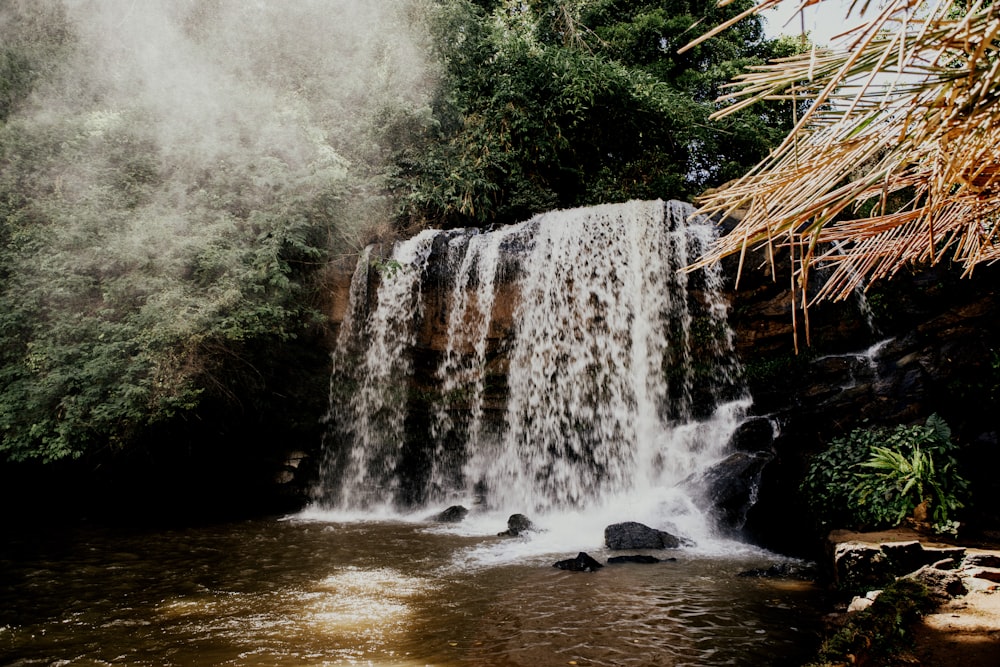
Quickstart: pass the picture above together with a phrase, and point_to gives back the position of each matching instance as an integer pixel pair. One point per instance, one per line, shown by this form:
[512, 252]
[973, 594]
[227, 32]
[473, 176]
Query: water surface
[384, 593]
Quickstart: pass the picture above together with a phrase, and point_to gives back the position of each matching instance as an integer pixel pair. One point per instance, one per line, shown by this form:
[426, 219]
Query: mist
[181, 119]
[172, 172]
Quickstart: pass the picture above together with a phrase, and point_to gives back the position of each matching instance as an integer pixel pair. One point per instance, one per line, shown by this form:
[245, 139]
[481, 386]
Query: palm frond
[904, 121]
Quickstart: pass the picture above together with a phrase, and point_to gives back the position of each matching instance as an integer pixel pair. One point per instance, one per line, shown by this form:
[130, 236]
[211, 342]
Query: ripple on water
[389, 594]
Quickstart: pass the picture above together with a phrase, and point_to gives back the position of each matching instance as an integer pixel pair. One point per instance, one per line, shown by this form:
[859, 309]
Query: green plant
[880, 633]
[386, 267]
[876, 477]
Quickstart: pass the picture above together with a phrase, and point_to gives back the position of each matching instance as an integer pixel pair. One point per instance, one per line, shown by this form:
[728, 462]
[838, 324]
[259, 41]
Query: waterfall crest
[574, 367]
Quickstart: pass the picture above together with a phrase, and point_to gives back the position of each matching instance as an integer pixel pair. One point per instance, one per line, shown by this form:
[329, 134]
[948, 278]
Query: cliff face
[929, 342]
[926, 341]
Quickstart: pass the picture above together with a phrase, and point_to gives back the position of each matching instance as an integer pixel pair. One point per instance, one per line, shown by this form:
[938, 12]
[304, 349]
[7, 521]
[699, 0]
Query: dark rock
[582, 563]
[945, 564]
[634, 535]
[982, 559]
[617, 560]
[453, 514]
[731, 485]
[517, 524]
[756, 434]
[858, 565]
[905, 557]
[987, 574]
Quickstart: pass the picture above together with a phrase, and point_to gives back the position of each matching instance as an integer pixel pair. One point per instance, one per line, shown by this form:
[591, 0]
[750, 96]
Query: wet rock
[755, 434]
[453, 514]
[582, 563]
[731, 485]
[636, 558]
[635, 535]
[517, 525]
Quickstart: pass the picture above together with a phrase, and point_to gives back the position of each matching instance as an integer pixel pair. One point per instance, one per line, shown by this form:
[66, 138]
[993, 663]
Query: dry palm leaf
[902, 129]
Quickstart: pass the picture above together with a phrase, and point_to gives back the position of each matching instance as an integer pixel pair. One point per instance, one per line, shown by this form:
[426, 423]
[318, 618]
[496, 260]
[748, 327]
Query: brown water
[297, 592]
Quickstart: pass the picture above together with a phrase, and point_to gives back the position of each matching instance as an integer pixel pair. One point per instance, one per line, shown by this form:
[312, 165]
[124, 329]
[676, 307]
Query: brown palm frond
[903, 128]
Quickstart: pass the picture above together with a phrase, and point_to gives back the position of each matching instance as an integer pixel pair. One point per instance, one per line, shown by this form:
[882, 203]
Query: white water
[606, 412]
[370, 423]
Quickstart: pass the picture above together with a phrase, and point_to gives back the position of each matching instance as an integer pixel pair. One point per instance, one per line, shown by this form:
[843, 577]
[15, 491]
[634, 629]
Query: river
[315, 590]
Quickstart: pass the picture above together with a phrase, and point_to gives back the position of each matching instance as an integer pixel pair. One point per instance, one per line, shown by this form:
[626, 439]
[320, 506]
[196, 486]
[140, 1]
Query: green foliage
[130, 290]
[880, 633]
[877, 477]
[110, 323]
[554, 104]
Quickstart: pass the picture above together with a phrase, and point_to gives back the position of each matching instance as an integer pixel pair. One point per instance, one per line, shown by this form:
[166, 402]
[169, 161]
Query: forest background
[178, 181]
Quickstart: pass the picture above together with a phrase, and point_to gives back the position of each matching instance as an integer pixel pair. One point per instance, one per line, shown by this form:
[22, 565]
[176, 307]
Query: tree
[561, 103]
[165, 222]
[896, 159]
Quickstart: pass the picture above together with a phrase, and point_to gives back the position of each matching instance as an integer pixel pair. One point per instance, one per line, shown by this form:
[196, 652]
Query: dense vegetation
[170, 199]
[876, 477]
[560, 103]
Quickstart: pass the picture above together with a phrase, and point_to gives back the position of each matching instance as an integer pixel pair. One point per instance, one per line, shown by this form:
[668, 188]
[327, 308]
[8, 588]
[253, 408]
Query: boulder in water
[635, 535]
[517, 525]
[453, 514]
[636, 558]
[582, 563]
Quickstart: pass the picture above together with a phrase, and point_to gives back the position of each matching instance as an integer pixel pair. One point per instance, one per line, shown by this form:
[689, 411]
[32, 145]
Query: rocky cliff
[925, 341]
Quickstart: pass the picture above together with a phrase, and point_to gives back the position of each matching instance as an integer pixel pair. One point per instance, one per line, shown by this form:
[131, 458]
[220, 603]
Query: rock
[986, 574]
[982, 559]
[453, 514]
[635, 535]
[755, 434]
[582, 563]
[616, 560]
[731, 485]
[862, 602]
[942, 585]
[517, 524]
[859, 564]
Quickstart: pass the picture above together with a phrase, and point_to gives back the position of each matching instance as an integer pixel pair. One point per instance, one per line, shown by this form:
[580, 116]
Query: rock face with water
[920, 343]
[730, 486]
[562, 363]
[493, 367]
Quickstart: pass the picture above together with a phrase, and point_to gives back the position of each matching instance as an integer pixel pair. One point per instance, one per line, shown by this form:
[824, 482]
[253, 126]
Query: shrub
[881, 633]
[876, 477]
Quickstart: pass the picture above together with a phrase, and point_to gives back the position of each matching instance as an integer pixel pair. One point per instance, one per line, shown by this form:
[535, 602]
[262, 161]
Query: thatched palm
[903, 129]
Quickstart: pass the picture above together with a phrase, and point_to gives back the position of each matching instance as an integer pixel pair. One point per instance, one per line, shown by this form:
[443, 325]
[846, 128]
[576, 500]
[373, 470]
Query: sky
[824, 20]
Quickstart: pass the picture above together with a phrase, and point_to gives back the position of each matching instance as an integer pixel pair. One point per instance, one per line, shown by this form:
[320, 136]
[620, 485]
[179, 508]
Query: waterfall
[575, 366]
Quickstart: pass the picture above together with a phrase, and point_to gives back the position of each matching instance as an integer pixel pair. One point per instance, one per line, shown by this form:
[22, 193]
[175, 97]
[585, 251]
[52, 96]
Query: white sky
[823, 20]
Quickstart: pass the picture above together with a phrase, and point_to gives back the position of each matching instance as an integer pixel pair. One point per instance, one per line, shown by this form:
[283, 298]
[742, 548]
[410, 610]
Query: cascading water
[370, 370]
[614, 386]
